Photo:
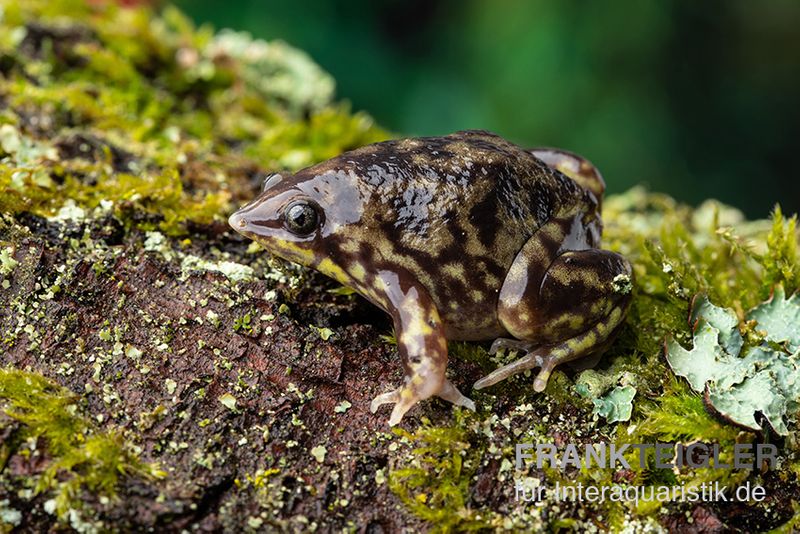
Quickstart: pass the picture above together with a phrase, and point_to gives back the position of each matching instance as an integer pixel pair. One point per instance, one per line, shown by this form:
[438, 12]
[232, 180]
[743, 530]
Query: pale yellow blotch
[350, 246]
[576, 321]
[328, 268]
[590, 340]
[358, 272]
[491, 280]
[561, 276]
[379, 286]
[454, 270]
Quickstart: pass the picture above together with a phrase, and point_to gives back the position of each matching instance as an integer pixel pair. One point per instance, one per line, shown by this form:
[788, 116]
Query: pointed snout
[237, 221]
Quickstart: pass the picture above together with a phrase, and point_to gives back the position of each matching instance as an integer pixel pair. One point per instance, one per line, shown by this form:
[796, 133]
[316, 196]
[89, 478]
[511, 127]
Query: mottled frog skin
[461, 237]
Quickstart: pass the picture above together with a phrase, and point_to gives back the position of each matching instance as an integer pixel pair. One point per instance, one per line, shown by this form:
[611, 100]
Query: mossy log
[160, 372]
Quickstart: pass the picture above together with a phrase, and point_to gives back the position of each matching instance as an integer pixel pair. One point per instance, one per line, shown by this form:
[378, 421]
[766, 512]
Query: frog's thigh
[577, 291]
[519, 308]
[571, 311]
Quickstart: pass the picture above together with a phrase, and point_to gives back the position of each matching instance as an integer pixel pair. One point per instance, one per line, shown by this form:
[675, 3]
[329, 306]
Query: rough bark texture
[286, 384]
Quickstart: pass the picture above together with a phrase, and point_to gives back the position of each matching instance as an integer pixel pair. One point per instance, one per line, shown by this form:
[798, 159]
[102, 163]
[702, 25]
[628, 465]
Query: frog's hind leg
[560, 312]
[547, 357]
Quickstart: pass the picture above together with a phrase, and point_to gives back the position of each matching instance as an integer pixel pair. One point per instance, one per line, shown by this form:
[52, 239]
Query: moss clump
[78, 456]
[138, 111]
[434, 484]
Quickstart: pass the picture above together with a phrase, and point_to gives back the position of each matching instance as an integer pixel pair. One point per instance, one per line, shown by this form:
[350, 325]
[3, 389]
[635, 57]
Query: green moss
[679, 416]
[434, 484]
[79, 455]
[145, 111]
[781, 262]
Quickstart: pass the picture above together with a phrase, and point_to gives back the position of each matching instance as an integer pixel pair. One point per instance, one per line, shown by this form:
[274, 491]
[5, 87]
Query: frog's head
[303, 217]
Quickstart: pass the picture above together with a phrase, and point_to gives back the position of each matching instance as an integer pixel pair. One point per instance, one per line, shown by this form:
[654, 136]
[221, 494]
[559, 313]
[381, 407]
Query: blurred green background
[696, 99]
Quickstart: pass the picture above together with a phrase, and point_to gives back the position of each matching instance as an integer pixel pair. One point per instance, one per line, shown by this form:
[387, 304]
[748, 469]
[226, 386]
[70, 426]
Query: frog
[465, 236]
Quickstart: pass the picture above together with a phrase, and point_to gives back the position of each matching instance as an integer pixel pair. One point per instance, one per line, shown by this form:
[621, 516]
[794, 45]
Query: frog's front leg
[422, 346]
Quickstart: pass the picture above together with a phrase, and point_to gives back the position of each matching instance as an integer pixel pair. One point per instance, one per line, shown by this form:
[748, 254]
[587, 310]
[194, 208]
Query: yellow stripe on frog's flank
[358, 272]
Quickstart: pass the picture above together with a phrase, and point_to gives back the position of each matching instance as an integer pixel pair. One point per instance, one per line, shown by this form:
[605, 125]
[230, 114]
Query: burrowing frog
[461, 237]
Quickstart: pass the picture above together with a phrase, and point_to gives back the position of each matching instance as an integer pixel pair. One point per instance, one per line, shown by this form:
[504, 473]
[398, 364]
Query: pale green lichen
[760, 378]
[157, 242]
[319, 452]
[342, 407]
[7, 261]
[617, 405]
[779, 319]
[278, 72]
[9, 517]
[611, 391]
[228, 400]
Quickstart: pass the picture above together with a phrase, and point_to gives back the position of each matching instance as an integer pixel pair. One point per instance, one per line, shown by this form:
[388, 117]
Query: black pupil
[301, 218]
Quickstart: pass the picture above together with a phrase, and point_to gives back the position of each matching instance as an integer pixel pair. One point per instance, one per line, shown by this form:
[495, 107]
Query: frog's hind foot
[405, 397]
[547, 357]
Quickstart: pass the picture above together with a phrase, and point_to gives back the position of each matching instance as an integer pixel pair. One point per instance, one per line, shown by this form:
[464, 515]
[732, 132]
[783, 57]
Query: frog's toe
[529, 361]
[451, 393]
[384, 398]
[399, 410]
[404, 398]
[540, 382]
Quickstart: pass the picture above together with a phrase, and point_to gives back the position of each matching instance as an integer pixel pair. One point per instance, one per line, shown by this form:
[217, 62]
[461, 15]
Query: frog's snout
[237, 221]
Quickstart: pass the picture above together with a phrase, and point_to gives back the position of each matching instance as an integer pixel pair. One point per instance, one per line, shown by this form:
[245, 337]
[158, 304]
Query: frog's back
[454, 211]
[472, 184]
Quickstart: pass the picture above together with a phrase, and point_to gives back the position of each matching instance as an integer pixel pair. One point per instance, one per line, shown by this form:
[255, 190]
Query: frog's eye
[270, 181]
[301, 217]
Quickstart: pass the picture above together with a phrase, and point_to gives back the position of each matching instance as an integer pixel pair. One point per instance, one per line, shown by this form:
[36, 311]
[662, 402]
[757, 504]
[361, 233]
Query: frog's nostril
[237, 222]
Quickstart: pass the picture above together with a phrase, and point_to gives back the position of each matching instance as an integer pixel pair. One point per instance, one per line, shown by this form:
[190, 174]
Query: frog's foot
[405, 397]
[547, 357]
[536, 358]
